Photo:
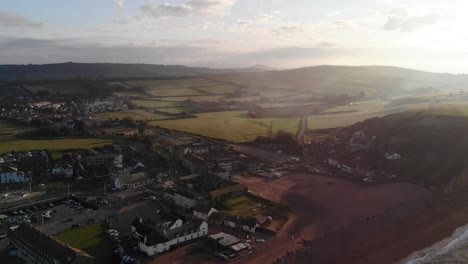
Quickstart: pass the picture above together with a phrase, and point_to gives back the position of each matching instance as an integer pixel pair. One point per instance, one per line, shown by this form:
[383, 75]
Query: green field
[194, 98]
[167, 84]
[135, 114]
[174, 110]
[153, 103]
[91, 239]
[233, 126]
[363, 111]
[9, 130]
[173, 92]
[61, 88]
[219, 89]
[54, 145]
[246, 206]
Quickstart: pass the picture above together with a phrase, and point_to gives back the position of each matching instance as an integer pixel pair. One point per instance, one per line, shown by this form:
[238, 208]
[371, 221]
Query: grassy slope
[232, 126]
[434, 147]
[344, 80]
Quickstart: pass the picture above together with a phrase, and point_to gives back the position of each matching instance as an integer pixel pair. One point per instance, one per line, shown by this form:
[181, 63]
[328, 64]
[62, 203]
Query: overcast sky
[423, 34]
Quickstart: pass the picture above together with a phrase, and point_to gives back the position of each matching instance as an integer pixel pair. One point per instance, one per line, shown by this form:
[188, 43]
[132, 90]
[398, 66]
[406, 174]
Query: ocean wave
[450, 250]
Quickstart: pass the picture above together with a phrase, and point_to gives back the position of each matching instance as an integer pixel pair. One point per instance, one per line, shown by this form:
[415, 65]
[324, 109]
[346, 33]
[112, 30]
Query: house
[250, 225]
[249, 164]
[155, 238]
[96, 160]
[360, 141]
[394, 156]
[230, 243]
[232, 221]
[66, 171]
[263, 220]
[203, 212]
[187, 198]
[193, 163]
[228, 164]
[35, 246]
[133, 180]
[10, 174]
[216, 218]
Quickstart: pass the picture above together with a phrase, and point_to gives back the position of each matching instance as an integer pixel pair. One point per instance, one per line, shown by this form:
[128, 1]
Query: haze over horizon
[426, 35]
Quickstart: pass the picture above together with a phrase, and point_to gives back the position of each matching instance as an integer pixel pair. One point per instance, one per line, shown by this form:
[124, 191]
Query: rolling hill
[351, 80]
[433, 146]
[108, 70]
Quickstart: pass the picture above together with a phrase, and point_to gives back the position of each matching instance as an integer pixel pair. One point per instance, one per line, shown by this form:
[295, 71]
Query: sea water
[452, 250]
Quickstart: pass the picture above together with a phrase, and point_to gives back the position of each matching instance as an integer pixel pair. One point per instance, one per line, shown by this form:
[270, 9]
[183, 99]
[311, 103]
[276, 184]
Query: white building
[203, 212]
[155, 238]
[133, 180]
[12, 175]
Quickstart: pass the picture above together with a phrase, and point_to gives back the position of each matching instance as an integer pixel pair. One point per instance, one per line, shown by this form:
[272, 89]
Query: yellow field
[135, 114]
[167, 84]
[233, 126]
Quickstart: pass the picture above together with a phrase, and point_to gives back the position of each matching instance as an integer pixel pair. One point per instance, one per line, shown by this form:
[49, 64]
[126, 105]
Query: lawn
[54, 145]
[135, 114]
[248, 206]
[235, 126]
[174, 110]
[91, 239]
[167, 84]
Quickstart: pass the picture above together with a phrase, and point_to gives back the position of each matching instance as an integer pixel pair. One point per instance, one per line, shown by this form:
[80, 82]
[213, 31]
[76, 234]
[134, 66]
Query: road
[300, 135]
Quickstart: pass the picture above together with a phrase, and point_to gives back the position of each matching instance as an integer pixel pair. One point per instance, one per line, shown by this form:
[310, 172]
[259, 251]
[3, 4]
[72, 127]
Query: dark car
[75, 225]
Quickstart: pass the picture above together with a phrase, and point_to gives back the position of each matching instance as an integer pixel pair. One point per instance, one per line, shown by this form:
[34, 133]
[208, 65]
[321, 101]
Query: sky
[422, 34]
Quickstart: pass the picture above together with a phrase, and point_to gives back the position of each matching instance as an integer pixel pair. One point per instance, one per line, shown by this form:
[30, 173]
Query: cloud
[287, 30]
[401, 19]
[15, 20]
[192, 7]
[120, 4]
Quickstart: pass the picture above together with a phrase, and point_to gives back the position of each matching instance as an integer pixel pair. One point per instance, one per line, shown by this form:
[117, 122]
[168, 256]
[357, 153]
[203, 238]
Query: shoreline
[439, 248]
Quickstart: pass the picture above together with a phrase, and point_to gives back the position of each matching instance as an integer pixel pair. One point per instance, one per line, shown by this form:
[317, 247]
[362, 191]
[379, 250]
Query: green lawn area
[54, 145]
[91, 239]
[247, 206]
[234, 126]
[135, 114]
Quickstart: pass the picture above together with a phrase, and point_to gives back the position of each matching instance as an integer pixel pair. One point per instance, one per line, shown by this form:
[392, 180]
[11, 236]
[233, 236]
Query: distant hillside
[109, 70]
[433, 146]
[372, 80]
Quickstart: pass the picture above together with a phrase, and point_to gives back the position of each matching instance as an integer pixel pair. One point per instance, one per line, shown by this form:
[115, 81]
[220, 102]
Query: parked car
[75, 225]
